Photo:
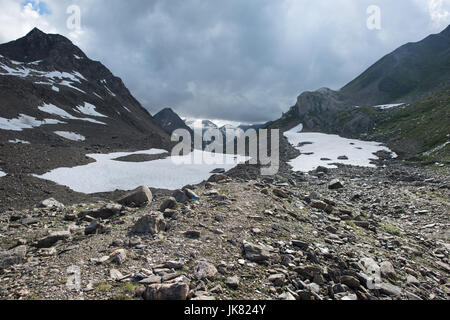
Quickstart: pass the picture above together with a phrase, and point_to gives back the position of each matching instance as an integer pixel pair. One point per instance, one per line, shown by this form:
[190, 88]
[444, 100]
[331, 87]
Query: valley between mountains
[92, 207]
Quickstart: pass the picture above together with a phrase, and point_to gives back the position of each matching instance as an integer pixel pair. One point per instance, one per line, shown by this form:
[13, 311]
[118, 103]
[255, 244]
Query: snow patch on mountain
[52, 109]
[2, 174]
[326, 150]
[17, 141]
[25, 122]
[89, 110]
[70, 135]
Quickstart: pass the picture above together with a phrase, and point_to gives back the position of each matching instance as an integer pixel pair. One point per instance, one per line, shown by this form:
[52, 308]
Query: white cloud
[439, 12]
[249, 60]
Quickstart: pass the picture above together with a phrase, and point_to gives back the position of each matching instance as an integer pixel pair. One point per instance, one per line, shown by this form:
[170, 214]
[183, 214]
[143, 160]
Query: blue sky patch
[39, 6]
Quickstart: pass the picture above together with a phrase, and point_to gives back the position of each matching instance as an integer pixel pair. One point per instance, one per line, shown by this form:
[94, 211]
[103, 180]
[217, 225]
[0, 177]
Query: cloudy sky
[242, 60]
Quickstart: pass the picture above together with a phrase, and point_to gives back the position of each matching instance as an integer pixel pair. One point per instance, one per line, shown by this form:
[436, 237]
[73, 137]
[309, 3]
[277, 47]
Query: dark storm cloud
[244, 60]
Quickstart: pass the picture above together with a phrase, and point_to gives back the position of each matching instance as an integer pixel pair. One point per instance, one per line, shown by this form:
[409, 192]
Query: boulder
[180, 196]
[53, 238]
[191, 194]
[169, 203]
[335, 184]
[280, 193]
[204, 270]
[150, 224]
[387, 270]
[93, 228]
[167, 291]
[119, 256]
[137, 198]
[12, 257]
[277, 279]
[217, 178]
[50, 203]
[233, 282]
[256, 253]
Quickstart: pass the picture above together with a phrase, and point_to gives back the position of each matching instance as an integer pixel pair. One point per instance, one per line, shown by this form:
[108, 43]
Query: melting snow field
[107, 174]
[70, 135]
[19, 141]
[388, 106]
[24, 122]
[316, 147]
[54, 110]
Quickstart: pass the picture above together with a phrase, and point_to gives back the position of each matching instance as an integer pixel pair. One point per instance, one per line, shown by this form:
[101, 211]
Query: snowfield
[25, 122]
[52, 109]
[316, 147]
[18, 141]
[89, 110]
[52, 78]
[107, 174]
[70, 135]
[2, 174]
[388, 106]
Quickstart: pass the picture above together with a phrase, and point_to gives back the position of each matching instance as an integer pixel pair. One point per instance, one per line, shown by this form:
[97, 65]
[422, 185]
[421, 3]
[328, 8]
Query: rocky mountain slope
[377, 234]
[170, 121]
[408, 76]
[56, 106]
[52, 93]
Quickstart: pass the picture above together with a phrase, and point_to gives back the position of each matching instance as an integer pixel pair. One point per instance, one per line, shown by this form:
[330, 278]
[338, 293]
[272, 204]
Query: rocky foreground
[345, 234]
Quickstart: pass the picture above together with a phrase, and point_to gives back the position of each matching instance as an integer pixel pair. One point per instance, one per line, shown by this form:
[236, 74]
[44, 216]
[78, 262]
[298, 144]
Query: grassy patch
[391, 229]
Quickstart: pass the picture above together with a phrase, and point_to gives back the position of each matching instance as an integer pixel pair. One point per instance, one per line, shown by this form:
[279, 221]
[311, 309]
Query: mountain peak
[35, 31]
[38, 45]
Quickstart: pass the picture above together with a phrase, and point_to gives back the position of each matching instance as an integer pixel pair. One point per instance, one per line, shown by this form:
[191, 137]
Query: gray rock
[350, 281]
[277, 279]
[317, 204]
[286, 296]
[389, 289]
[233, 282]
[176, 265]
[190, 194]
[256, 253]
[217, 178]
[12, 257]
[180, 196]
[119, 256]
[280, 193]
[412, 280]
[150, 224]
[204, 270]
[171, 214]
[321, 169]
[170, 203]
[308, 271]
[137, 198]
[93, 228]
[167, 291]
[29, 221]
[53, 238]
[335, 184]
[300, 244]
[192, 234]
[151, 280]
[50, 203]
[115, 275]
[106, 212]
[371, 268]
[387, 270]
